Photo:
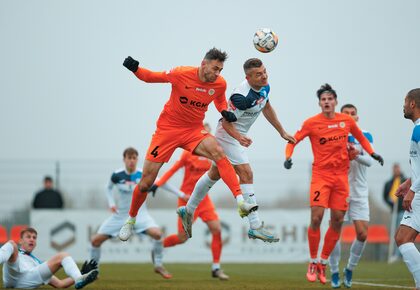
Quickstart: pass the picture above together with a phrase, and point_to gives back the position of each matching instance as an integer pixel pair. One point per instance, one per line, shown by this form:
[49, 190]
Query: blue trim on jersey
[416, 134]
[122, 176]
[251, 99]
[368, 136]
[31, 255]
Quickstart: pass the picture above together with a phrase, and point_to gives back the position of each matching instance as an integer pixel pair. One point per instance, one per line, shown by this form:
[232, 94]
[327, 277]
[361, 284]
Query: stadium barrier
[70, 231]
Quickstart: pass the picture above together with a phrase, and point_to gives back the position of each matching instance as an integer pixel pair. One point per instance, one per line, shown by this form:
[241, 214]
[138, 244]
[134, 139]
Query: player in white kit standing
[21, 269]
[125, 179]
[410, 190]
[247, 101]
[358, 210]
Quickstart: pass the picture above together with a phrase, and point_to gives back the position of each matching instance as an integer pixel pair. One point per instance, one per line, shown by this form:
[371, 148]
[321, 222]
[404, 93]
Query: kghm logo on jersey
[324, 140]
[184, 100]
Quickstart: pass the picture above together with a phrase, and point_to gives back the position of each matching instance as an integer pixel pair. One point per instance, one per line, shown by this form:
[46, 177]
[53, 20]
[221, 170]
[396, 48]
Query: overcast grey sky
[65, 94]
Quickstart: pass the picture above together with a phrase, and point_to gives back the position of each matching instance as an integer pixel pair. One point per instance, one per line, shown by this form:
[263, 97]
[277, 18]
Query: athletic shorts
[358, 210]
[205, 211]
[412, 219]
[235, 152]
[33, 278]
[166, 139]
[329, 190]
[112, 225]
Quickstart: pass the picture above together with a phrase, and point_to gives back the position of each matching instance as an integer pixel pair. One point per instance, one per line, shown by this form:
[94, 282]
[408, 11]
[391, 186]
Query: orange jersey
[190, 97]
[329, 141]
[194, 166]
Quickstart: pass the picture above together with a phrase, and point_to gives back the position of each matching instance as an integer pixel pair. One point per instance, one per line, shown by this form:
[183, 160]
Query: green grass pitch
[243, 276]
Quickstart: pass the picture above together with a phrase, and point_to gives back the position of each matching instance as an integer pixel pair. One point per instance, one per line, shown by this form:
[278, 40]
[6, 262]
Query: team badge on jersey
[211, 92]
[342, 124]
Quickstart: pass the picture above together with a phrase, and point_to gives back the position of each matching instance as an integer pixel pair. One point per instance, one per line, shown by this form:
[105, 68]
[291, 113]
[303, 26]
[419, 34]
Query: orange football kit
[329, 185]
[180, 123]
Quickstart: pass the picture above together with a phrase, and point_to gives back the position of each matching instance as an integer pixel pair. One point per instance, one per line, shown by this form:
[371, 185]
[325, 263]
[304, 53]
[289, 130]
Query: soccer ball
[265, 40]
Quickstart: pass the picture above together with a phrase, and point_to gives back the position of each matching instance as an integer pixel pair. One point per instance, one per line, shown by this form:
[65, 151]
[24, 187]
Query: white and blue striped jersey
[415, 157]
[125, 184]
[358, 169]
[24, 263]
[247, 104]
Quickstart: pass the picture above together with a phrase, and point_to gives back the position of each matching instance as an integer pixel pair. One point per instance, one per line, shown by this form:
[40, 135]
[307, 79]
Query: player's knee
[144, 186]
[156, 234]
[217, 153]
[316, 222]
[361, 236]
[400, 239]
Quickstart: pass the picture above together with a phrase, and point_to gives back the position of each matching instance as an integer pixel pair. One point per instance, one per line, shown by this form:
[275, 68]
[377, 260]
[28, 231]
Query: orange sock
[137, 200]
[313, 239]
[171, 241]
[228, 174]
[216, 247]
[330, 239]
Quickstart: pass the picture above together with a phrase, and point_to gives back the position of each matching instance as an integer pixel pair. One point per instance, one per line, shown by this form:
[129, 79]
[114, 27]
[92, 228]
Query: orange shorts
[166, 139]
[329, 190]
[205, 211]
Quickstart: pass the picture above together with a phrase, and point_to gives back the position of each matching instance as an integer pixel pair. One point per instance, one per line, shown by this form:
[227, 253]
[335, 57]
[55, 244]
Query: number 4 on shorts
[155, 152]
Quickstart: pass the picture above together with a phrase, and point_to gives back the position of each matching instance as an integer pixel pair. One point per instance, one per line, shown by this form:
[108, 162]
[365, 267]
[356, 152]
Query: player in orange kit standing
[194, 167]
[328, 132]
[180, 125]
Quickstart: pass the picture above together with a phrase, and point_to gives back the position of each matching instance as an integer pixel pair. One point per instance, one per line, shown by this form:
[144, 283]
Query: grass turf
[242, 276]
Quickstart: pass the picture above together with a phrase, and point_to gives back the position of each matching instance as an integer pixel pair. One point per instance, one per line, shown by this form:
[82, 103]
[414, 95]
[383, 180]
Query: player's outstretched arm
[232, 131]
[271, 117]
[146, 75]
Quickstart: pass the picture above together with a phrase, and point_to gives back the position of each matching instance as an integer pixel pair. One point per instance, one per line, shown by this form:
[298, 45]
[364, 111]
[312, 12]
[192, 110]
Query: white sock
[249, 194]
[356, 251]
[158, 252]
[5, 252]
[201, 188]
[95, 253]
[323, 261]
[334, 258]
[313, 260]
[71, 268]
[411, 258]
[215, 266]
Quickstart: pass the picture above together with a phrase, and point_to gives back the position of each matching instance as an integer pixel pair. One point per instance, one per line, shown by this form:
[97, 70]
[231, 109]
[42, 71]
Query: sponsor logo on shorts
[407, 217]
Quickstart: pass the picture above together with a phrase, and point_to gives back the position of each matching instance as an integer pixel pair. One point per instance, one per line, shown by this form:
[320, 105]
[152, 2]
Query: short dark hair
[48, 178]
[414, 95]
[252, 63]
[28, 230]
[216, 54]
[326, 89]
[348, 106]
[130, 151]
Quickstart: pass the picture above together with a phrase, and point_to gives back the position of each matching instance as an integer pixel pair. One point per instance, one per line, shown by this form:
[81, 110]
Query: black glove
[153, 189]
[131, 64]
[88, 266]
[288, 163]
[378, 158]
[228, 116]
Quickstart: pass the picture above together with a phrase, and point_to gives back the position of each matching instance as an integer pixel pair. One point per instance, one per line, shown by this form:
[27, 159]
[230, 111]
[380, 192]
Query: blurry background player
[358, 210]
[328, 133]
[125, 179]
[180, 125]
[21, 269]
[194, 167]
[247, 101]
[410, 192]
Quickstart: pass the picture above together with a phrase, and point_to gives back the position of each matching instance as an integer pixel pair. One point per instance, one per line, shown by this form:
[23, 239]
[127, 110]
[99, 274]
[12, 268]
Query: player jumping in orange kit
[194, 167]
[328, 132]
[180, 125]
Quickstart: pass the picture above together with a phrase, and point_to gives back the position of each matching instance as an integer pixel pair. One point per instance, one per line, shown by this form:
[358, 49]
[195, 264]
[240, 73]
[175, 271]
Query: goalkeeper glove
[88, 266]
[378, 158]
[288, 163]
[153, 189]
[228, 116]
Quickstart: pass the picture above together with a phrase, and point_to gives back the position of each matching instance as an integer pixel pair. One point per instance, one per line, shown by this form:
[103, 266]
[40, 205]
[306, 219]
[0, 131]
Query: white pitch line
[382, 285]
